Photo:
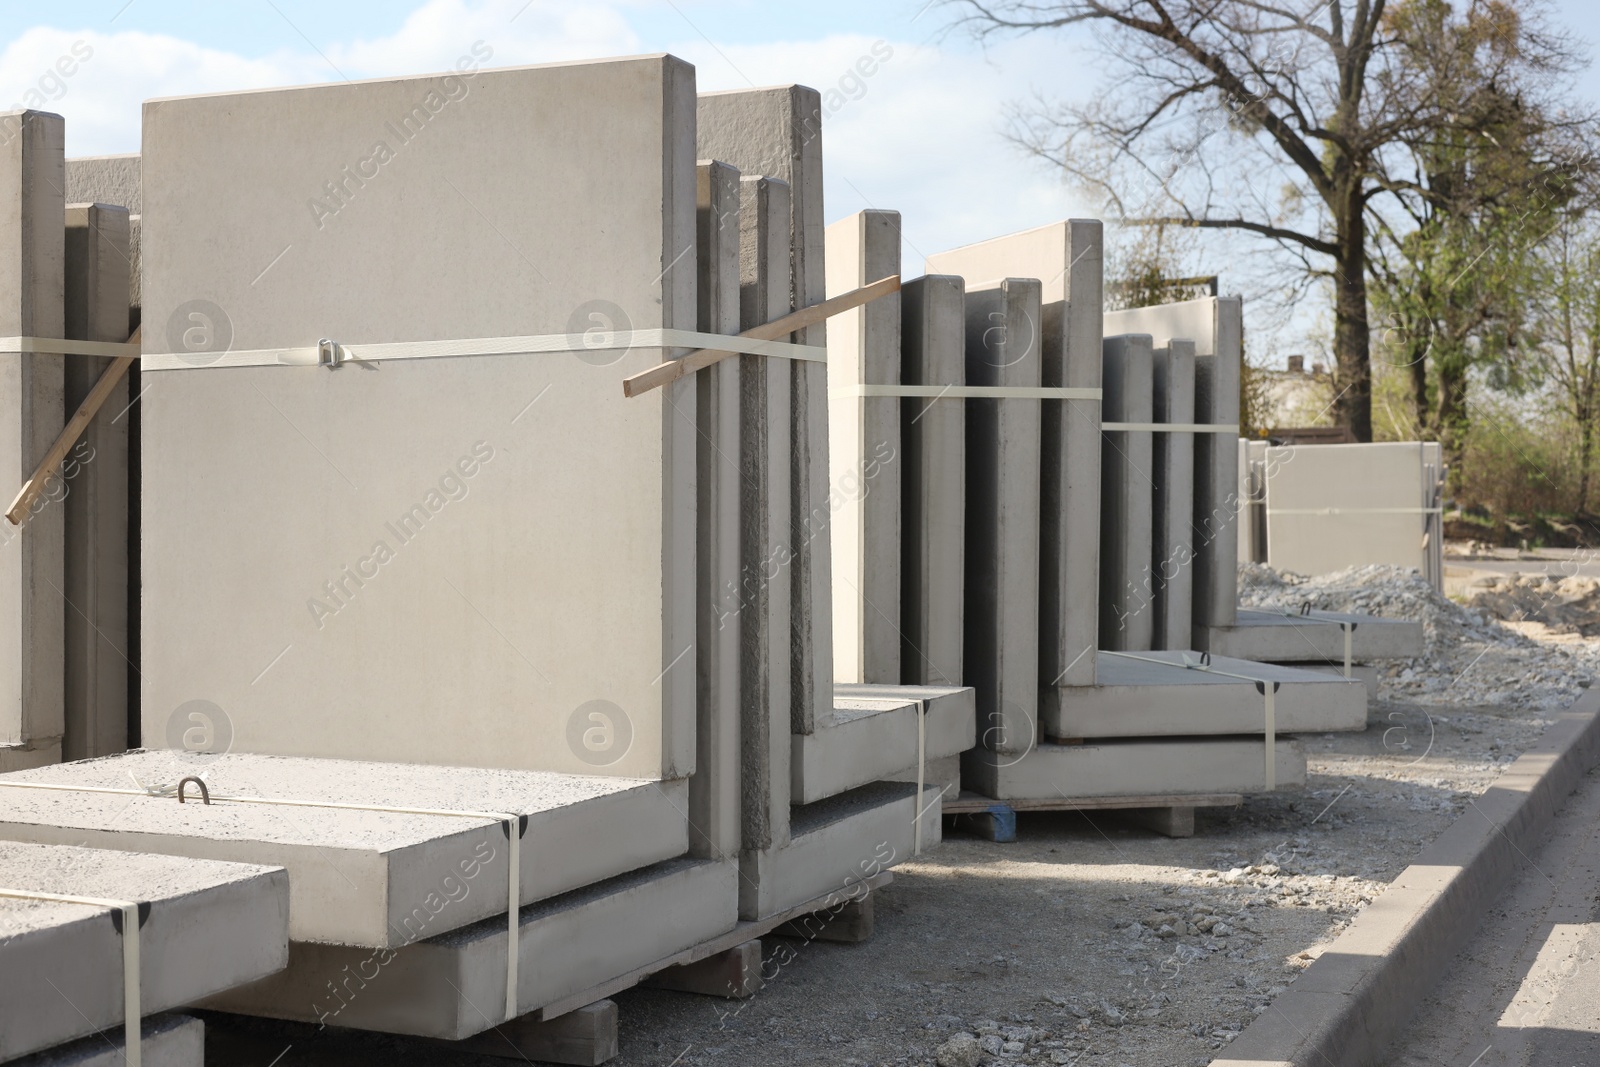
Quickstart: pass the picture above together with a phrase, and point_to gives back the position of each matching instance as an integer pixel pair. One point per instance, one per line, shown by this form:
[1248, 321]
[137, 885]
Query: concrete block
[566, 946]
[864, 446]
[1067, 257]
[1365, 673]
[168, 1041]
[777, 132]
[1274, 637]
[872, 734]
[1137, 698]
[1002, 543]
[209, 927]
[1127, 613]
[1173, 497]
[766, 588]
[29, 754]
[1215, 325]
[933, 504]
[32, 266]
[735, 974]
[836, 844]
[587, 1036]
[391, 490]
[849, 923]
[1138, 768]
[714, 788]
[944, 773]
[371, 878]
[98, 653]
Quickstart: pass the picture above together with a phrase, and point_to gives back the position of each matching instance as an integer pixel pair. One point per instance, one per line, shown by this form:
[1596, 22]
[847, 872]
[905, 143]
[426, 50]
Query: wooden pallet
[1171, 815]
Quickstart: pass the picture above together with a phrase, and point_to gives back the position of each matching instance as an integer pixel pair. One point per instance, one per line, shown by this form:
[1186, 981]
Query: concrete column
[933, 493]
[714, 787]
[765, 588]
[1174, 497]
[1216, 465]
[31, 415]
[96, 572]
[1127, 615]
[1002, 547]
[865, 447]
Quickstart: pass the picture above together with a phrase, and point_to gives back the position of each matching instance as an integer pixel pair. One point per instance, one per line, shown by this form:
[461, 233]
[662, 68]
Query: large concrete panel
[112, 180]
[1133, 768]
[933, 503]
[1067, 257]
[1138, 698]
[443, 987]
[441, 529]
[1173, 497]
[1216, 326]
[1334, 506]
[872, 735]
[32, 266]
[714, 813]
[865, 450]
[363, 877]
[1276, 637]
[1002, 537]
[209, 927]
[95, 569]
[166, 1041]
[765, 590]
[777, 132]
[1127, 579]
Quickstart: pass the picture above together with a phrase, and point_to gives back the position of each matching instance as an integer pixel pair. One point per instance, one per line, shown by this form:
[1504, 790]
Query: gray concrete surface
[872, 734]
[1277, 638]
[168, 1041]
[1172, 494]
[112, 180]
[1127, 524]
[1141, 767]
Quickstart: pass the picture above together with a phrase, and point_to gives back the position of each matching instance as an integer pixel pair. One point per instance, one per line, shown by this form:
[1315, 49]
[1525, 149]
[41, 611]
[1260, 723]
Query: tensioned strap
[331, 353]
[1265, 686]
[132, 1025]
[512, 824]
[967, 392]
[1354, 511]
[62, 346]
[1345, 624]
[1173, 427]
[922, 765]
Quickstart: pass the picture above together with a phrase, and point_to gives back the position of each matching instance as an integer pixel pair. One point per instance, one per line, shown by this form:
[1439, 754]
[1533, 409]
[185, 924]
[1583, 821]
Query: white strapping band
[922, 764]
[512, 824]
[1231, 429]
[1354, 511]
[332, 353]
[1345, 624]
[132, 1026]
[967, 392]
[60, 346]
[1266, 687]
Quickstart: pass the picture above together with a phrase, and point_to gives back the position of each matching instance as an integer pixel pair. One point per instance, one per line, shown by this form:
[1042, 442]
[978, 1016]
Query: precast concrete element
[1127, 578]
[873, 735]
[1133, 768]
[1173, 495]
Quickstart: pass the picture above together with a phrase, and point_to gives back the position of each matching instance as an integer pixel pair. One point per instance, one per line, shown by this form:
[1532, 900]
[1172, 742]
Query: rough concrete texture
[1173, 495]
[1281, 638]
[1215, 325]
[1138, 698]
[1359, 994]
[29, 754]
[32, 265]
[839, 842]
[210, 926]
[1127, 578]
[435, 988]
[111, 180]
[96, 567]
[765, 588]
[167, 1041]
[872, 734]
[390, 553]
[1002, 527]
[714, 789]
[1067, 257]
[777, 132]
[361, 877]
[865, 451]
[1132, 768]
[933, 504]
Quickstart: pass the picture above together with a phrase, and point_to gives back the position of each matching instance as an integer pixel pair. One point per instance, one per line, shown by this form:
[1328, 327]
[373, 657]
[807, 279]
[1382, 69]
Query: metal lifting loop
[205, 794]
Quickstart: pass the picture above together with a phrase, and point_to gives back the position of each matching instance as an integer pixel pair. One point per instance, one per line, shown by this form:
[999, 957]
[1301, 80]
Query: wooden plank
[69, 435]
[733, 973]
[586, 1036]
[972, 803]
[669, 372]
[744, 931]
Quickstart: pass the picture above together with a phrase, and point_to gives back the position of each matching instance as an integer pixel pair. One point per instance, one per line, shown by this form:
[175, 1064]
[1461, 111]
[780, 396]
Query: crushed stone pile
[1562, 604]
[1472, 657]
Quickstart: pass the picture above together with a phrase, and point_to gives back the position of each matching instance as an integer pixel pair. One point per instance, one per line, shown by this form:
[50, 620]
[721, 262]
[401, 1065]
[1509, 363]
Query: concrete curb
[1352, 1002]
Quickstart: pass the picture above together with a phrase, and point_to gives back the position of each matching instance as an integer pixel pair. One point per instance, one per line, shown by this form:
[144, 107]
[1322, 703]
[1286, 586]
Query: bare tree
[1281, 119]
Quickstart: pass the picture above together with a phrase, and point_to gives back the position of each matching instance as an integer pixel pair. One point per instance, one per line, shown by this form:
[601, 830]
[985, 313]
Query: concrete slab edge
[1347, 1007]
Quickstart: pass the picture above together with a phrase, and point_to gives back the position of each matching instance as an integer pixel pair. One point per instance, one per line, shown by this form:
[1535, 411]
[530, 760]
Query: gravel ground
[1090, 941]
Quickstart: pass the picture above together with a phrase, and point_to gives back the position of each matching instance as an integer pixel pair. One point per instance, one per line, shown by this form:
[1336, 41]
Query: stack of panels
[203, 927]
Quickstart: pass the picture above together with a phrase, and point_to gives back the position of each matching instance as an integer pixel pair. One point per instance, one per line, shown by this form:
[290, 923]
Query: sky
[923, 134]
